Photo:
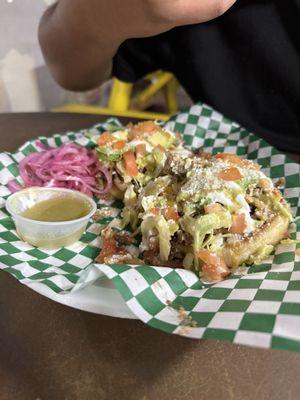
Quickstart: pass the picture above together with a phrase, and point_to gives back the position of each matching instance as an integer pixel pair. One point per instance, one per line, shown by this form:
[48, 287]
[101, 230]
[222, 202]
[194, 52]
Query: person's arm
[80, 37]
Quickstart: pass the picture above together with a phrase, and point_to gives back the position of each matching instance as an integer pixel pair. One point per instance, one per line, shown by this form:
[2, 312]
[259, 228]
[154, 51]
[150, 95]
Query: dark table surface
[52, 352]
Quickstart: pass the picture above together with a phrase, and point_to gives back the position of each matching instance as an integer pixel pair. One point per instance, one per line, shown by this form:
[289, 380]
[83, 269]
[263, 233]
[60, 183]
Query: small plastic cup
[49, 235]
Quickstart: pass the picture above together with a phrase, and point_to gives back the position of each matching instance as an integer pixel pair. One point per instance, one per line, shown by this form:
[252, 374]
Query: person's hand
[80, 37]
[151, 17]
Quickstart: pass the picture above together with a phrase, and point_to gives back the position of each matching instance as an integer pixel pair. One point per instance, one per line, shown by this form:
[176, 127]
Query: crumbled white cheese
[251, 174]
[148, 202]
[182, 152]
[205, 178]
[220, 197]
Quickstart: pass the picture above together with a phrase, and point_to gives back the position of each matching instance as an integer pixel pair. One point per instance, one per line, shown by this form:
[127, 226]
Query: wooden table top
[53, 352]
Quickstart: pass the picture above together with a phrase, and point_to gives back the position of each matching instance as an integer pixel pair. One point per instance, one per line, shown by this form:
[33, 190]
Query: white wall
[25, 82]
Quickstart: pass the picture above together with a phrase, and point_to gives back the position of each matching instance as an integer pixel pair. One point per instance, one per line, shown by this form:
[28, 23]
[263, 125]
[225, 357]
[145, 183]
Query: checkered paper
[258, 306]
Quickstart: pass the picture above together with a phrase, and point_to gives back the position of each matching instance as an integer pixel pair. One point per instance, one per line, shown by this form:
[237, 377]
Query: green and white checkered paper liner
[258, 306]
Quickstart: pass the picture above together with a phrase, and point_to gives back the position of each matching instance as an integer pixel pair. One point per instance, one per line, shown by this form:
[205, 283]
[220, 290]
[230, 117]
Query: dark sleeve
[136, 58]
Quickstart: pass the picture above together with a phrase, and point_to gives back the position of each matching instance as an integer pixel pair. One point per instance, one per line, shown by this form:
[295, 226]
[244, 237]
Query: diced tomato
[213, 208]
[235, 159]
[215, 272]
[264, 184]
[119, 145]
[210, 258]
[214, 268]
[232, 158]
[155, 211]
[230, 174]
[144, 128]
[161, 148]
[238, 225]
[109, 248]
[130, 163]
[171, 213]
[105, 138]
[141, 149]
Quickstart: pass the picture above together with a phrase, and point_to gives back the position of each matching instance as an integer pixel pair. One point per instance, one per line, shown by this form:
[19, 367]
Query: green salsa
[58, 209]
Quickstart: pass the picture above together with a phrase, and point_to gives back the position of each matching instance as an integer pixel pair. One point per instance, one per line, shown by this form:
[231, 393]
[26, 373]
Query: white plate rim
[99, 298]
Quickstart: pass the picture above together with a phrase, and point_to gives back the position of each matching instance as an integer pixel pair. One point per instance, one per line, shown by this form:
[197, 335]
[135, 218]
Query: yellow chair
[121, 102]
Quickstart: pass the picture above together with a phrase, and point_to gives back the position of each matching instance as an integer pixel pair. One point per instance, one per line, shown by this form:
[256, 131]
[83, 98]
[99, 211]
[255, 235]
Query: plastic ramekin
[49, 235]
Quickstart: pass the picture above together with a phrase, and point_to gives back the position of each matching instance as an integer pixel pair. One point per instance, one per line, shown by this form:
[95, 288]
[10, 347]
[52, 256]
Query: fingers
[185, 12]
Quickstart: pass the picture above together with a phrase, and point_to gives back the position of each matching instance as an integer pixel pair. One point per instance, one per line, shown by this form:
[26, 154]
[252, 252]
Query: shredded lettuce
[165, 230]
[129, 217]
[214, 242]
[160, 159]
[207, 223]
[130, 197]
[156, 187]
[201, 226]
[164, 238]
[147, 227]
[129, 213]
[190, 208]
[104, 155]
[144, 161]
[246, 182]
[121, 171]
[290, 241]
[148, 202]
[161, 138]
[283, 209]
[186, 196]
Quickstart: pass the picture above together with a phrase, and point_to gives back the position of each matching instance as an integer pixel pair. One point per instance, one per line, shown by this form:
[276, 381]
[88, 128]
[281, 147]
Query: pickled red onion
[14, 186]
[69, 166]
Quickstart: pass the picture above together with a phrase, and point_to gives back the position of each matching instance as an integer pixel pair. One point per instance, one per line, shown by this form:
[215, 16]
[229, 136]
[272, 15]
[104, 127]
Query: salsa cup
[49, 235]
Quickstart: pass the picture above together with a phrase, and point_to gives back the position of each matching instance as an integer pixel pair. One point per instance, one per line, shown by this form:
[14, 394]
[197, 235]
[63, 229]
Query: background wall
[25, 83]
